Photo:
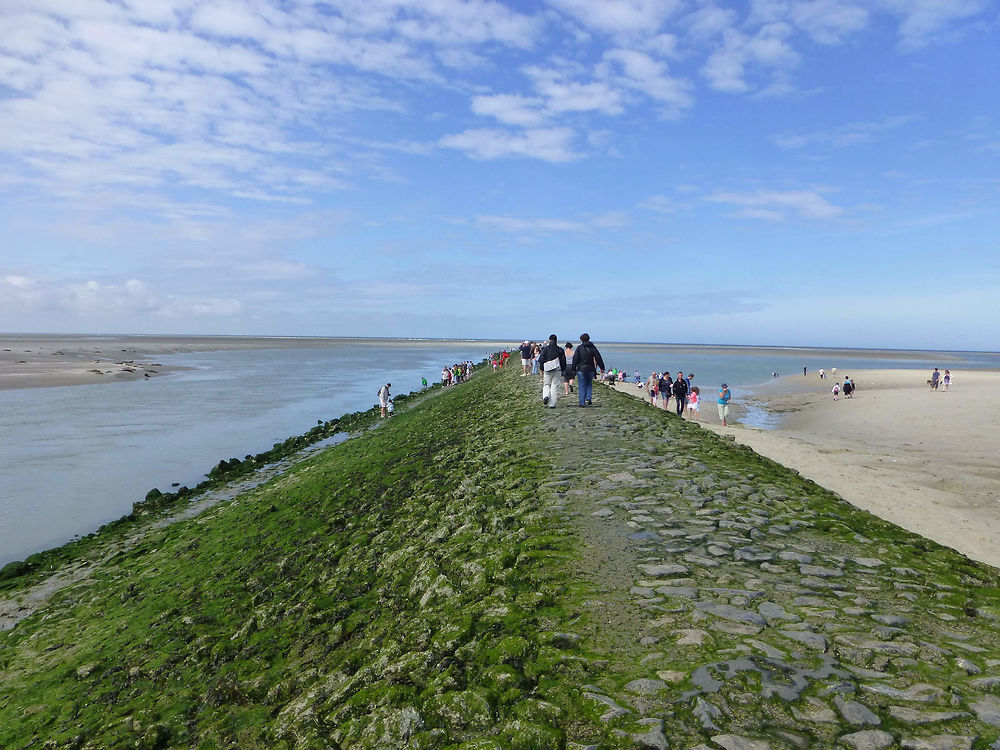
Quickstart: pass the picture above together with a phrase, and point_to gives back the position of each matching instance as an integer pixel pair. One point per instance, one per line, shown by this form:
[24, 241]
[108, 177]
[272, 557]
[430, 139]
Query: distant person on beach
[822, 374]
[693, 402]
[946, 380]
[552, 360]
[586, 360]
[836, 391]
[935, 379]
[383, 397]
[848, 387]
[680, 394]
[804, 370]
[724, 398]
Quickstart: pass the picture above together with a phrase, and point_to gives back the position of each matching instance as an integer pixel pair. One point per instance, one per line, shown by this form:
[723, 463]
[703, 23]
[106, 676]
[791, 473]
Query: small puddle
[757, 416]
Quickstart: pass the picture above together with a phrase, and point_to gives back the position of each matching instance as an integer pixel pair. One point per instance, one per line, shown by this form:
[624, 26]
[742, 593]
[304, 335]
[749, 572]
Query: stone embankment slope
[480, 572]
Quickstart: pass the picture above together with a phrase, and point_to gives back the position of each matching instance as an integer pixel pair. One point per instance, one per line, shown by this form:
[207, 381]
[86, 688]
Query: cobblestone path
[739, 606]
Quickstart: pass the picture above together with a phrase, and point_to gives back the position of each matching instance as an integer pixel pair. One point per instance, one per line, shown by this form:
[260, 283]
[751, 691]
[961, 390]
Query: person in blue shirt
[724, 398]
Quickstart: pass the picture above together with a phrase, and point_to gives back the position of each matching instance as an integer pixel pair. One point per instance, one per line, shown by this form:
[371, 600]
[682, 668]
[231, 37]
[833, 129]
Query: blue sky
[797, 172]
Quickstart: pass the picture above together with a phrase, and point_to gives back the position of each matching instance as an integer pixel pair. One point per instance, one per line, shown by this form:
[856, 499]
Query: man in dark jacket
[586, 360]
[552, 363]
[681, 393]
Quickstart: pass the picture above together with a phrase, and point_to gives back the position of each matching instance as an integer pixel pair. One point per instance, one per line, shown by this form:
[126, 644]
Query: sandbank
[47, 361]
[924, 460]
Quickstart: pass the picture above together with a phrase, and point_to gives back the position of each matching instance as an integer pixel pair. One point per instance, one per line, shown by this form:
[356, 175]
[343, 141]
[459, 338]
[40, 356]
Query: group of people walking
[662, 386]
[937, 379]
[458, 373]
[847, 388]
[561, 365]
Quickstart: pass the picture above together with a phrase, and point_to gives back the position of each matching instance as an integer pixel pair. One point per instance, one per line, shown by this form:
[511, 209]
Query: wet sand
[925, 460]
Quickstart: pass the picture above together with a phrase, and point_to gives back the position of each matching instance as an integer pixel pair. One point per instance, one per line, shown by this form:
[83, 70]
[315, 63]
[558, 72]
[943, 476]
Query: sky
[778, 172]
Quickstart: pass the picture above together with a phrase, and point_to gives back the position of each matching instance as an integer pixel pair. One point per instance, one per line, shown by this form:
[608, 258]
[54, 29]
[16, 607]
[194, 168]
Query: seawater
[74, 458]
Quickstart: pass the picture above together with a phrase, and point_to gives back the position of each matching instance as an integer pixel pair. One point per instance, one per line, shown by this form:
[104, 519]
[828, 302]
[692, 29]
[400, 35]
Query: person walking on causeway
[586, 360]
[680, 389]
[552, 361]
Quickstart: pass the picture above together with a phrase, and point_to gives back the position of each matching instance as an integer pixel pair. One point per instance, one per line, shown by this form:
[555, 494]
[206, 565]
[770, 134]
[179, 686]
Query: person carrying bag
[553, 364]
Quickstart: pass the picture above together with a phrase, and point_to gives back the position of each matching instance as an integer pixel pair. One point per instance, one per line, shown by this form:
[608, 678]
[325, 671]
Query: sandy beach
[925, 460]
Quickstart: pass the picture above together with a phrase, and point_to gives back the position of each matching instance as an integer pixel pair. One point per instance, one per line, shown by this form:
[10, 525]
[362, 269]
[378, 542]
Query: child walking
[693, 398]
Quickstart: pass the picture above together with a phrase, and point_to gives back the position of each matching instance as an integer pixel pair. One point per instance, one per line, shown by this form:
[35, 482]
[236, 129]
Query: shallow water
[76, 457]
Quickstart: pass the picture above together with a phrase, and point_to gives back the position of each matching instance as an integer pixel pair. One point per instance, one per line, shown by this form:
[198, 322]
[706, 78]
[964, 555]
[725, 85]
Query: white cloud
[643, 73]
[826, 21]
[511, 109]
[621, 74]
[562, 94]
[923, 22]
[830, 21]
[709, 21]
[463, 22]
[229, 19]
[845, 135]
[236, 97]
[769, 50]
[610, 220]
[660, 204]
[118, 300]
[619, 16]
[20, 282]
[547, 144]
[776, 205]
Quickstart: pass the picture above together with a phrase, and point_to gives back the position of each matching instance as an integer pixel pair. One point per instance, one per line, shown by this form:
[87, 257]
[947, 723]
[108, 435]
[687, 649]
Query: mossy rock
[15, 569]
[463, 710]
[522, 735]
[512, 650]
